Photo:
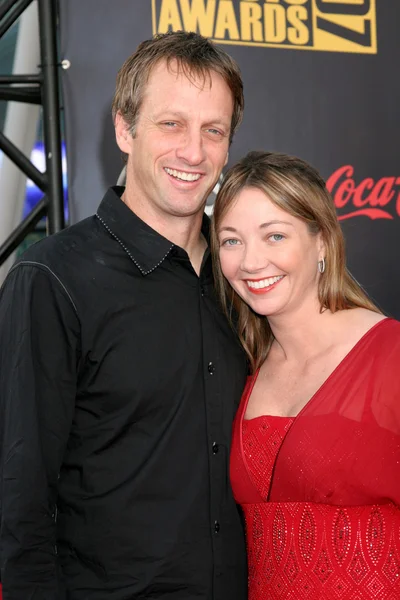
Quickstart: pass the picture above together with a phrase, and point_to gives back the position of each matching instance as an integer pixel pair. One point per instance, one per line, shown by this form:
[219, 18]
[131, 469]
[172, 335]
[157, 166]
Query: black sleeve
[39, 349]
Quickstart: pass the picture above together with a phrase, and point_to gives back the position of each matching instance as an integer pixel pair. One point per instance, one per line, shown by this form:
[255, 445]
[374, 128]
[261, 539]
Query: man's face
[180, 146]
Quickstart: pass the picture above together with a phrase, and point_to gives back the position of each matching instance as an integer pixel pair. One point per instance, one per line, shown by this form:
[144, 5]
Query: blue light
[33, 193]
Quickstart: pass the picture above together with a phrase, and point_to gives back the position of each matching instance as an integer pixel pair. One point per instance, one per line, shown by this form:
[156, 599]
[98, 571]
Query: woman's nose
[254, 259]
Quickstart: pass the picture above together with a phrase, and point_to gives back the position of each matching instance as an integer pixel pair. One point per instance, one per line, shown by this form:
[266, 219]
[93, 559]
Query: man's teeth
[264, 283]
[182, 175]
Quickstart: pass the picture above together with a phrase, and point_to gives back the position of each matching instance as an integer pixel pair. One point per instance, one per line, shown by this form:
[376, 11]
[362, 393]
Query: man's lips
[182, 175]
[260, 286]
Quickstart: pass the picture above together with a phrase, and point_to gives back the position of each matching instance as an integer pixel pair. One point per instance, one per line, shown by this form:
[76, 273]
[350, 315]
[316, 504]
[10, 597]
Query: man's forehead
[200, 77]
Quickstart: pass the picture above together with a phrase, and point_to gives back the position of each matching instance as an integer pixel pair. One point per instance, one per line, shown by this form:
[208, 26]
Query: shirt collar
[145, 246]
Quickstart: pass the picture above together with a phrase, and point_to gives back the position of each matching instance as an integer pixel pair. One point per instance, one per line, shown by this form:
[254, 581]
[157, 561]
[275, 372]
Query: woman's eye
[230, 242]
[277, 237]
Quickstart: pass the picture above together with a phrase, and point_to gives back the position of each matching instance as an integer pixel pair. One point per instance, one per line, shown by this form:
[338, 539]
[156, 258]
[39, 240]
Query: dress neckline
[268, 417]
[253, 379]
[323, 384]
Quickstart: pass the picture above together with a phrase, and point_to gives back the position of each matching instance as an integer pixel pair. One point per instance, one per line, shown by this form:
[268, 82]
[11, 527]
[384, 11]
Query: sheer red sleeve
[344, 447]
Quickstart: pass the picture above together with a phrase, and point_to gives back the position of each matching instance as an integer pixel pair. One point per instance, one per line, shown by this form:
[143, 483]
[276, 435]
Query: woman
[315, 459]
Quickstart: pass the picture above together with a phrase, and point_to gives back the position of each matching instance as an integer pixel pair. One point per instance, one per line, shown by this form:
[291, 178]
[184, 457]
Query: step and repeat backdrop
[321, 81]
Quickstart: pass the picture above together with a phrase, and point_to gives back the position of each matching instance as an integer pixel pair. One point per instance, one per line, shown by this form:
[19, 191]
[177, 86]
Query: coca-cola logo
[369, 198]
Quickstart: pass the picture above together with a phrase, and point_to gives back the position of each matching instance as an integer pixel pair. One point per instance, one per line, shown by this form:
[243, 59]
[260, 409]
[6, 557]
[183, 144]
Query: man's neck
[196, 256]
[183, 231]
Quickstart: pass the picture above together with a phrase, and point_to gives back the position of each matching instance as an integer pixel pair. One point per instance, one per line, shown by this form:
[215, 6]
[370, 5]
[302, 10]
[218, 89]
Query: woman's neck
[304, 333]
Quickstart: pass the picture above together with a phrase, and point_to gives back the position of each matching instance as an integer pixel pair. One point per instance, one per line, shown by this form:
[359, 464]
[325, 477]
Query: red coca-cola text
[368, 197]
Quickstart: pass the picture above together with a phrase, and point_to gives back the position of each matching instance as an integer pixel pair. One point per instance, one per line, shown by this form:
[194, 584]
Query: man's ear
[122, 134]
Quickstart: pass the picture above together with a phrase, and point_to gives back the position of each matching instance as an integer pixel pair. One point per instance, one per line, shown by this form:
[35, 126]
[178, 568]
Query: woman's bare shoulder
[357, 321]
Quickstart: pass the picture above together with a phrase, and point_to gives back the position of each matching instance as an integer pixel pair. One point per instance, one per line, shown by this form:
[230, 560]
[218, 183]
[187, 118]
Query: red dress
[321, 492]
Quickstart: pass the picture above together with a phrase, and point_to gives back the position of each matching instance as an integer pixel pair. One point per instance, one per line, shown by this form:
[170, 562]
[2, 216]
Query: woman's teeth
[263, 283]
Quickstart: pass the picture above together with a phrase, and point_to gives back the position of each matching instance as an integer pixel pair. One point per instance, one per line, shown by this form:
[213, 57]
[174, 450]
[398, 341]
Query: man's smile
[182, 175]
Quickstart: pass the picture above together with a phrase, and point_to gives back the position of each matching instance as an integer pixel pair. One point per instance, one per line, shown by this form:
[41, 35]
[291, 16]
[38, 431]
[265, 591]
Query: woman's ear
[321, 246]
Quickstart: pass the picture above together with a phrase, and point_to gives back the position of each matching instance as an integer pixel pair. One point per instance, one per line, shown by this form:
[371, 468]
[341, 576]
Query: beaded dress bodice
[303, 550]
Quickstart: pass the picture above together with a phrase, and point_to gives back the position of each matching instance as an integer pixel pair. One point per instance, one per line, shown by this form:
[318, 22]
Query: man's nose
[191, 148]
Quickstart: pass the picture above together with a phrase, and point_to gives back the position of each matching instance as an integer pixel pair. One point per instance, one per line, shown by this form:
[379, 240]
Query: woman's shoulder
[382, 331]
[356, 324]
[361, 320]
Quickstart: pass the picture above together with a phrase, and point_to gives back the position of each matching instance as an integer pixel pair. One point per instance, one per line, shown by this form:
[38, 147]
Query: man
[119, 374]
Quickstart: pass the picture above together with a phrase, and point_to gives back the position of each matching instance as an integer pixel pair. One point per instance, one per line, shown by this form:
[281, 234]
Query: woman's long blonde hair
[297, 188]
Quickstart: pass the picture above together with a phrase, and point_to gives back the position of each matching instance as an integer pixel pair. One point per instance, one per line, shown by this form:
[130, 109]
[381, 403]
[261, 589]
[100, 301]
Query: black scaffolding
[43, 89]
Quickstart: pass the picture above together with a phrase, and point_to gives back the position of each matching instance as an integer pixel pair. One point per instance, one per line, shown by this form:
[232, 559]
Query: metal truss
[43, 89]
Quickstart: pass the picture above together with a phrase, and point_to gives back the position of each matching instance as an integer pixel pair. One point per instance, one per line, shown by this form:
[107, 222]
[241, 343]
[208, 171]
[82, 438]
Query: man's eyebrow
[175, 113]
[218, 121]
[169, 113]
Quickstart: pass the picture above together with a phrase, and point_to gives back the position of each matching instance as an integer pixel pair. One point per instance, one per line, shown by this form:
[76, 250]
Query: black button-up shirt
[119, 382]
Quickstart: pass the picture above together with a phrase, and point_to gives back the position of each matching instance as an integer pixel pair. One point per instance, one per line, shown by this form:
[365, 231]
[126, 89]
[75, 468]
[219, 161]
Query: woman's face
[269, 257]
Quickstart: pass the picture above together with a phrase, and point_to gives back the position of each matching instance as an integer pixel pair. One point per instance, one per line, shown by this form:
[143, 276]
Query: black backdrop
[321, 81]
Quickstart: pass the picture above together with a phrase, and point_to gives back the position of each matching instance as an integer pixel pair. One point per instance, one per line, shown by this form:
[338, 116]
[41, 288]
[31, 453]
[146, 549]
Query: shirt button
[216, 527]
[215, 448]
[211, 368]
[202, 290]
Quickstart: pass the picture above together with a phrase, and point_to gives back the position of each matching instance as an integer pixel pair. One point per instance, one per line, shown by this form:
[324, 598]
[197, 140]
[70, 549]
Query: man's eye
[169, 123]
